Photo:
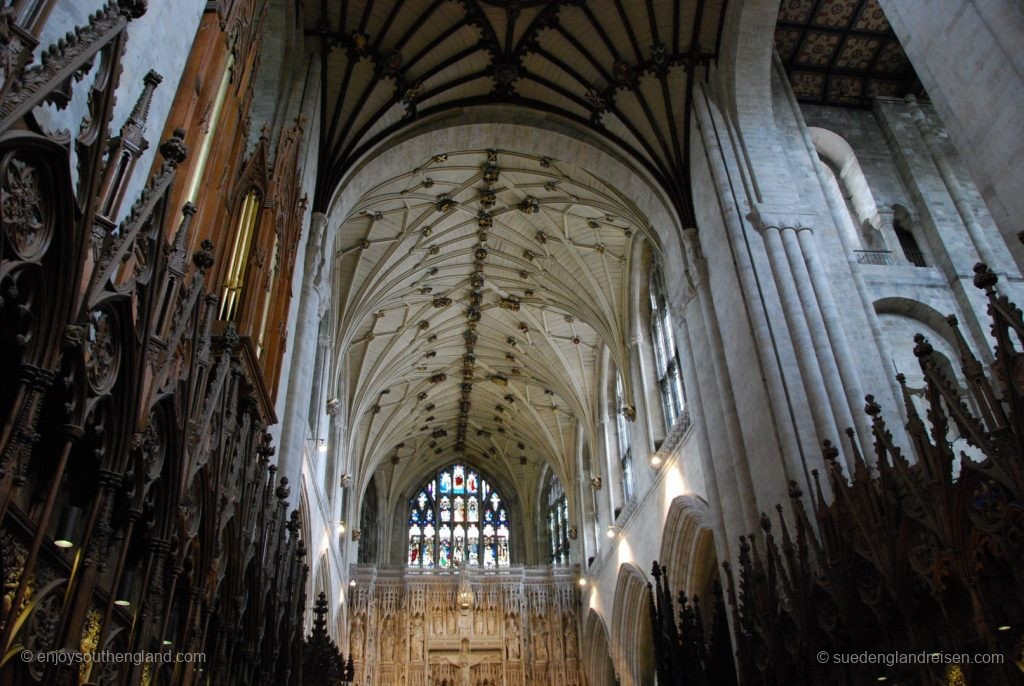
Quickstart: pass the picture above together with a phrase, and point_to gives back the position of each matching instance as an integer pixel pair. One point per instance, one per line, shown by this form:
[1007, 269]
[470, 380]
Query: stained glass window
[666, 357]
[458, 499]
[558, 522]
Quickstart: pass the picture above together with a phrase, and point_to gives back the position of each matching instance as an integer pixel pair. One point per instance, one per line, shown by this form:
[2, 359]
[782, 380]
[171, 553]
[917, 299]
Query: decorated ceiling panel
[620, 67]
[478, 291]
[842, 52]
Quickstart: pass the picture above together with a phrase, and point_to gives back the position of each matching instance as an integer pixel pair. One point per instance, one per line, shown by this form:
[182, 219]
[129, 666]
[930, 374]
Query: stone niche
[514, 627]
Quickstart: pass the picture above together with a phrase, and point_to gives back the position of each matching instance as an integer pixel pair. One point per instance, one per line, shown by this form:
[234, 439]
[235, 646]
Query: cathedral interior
[511, 342]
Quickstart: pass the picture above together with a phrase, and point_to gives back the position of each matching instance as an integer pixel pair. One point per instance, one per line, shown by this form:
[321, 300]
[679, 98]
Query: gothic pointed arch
[631, 627]
[597, 651]
[688, 546]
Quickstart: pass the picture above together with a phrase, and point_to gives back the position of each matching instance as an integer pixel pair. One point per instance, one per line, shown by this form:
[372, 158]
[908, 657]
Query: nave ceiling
[623, 69]
[476, 294]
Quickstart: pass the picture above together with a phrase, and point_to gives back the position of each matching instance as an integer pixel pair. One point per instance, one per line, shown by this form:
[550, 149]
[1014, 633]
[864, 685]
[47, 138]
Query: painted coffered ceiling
[622, 68]
[842, 52]
[475, 294]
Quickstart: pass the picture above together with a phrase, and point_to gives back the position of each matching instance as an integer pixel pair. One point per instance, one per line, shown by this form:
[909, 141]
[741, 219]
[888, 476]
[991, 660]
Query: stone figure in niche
[356, 647]
[540, 639]
[438, 623]
[417, 638]
[465, 662]
[492, 621]
[571, 639]
[512, 638]
[478, 620]
[451, 622]
[387, 641]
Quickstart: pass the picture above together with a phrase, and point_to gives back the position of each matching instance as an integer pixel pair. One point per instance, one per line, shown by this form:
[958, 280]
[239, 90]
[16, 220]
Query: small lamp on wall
[321, 445]
[657, 460]
[126, 589]
[67, 527]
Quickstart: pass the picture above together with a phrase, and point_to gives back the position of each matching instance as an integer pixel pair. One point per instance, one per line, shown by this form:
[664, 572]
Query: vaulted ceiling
[476, 294]
[622, 68]
[842, 52]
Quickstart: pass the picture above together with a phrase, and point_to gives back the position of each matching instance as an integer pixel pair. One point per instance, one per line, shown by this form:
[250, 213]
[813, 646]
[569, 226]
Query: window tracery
[557, 522]
[457, 518]
[666, 356]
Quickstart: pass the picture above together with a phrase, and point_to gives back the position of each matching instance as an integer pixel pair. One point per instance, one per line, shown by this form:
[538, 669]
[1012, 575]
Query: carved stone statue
[356, 641]
[540, 640]
[438, 623]
[464, 662]
[478, 620]
[492, 621]
[387, 641]
[570, 637]
[511, 638]
[417, 638]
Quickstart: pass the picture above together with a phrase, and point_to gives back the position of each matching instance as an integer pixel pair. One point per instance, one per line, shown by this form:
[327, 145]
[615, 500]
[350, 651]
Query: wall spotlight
[126, 589]
[612, 530]
[656, 460]
[352, 582]
[321, 445]
[1004, 627]
[583, 582]
[67, 527]
[341, 528]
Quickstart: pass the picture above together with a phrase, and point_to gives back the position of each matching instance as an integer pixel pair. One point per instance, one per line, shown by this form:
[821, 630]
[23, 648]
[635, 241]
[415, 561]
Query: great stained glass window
[456, 518]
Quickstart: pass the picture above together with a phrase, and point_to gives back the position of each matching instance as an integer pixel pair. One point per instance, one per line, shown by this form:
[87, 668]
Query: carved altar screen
[457, 517]
[510, 627]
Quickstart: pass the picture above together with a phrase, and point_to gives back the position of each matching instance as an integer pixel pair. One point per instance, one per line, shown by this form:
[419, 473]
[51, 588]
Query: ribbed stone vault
[477, 291]
[621, 68]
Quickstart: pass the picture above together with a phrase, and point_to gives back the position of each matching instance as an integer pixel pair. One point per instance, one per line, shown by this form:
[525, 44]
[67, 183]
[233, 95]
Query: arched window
[558, 522]
[908, 242]
[625, 441]
[666, 357]
[457, 518]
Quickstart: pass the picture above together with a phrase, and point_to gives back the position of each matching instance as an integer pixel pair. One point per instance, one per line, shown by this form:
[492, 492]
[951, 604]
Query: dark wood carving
[688, 650]
[322, 661]
[915, 554]
[130, 425]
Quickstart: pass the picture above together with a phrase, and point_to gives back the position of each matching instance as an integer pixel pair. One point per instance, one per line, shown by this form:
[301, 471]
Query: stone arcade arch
[688, 546]
[597, 652]
[631, 628]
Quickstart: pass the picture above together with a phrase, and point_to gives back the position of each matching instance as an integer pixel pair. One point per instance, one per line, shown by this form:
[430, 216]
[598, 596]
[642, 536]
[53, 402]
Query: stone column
[307, 323]
[725, 536]
[733, 432]
[824, 291]
[787, 419]
[953, 187]
[797, 326]
[839, 357]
